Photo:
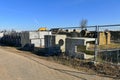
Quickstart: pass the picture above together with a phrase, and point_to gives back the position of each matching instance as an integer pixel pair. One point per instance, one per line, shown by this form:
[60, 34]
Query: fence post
[96, 43]
[117, 56]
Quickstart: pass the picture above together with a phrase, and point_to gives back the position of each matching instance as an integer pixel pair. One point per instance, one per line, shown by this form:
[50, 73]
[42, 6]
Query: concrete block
[71, 44]
[55, 40]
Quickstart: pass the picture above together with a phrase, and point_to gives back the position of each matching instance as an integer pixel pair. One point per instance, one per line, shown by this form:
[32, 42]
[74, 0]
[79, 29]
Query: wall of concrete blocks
[34, 37]
[73, 43]
[25, 38]
[11, 38]
[55, 40]
[70, 45]
[1, 35]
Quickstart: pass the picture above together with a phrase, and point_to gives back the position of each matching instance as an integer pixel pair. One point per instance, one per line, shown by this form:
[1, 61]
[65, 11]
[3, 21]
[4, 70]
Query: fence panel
[109, 44]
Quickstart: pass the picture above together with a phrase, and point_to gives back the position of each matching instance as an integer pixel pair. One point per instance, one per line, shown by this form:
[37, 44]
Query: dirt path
[16, 66]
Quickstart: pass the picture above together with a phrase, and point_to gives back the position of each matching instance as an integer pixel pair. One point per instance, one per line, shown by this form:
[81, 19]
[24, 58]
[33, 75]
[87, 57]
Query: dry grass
[103, 69]
[109, 46]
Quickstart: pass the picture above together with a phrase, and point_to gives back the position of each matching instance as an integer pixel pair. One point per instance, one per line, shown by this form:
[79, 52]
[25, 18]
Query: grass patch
[83, 49]
[89, 52]
[110, 46]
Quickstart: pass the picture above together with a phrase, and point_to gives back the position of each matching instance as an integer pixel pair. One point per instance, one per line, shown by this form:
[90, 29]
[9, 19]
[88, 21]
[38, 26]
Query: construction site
[93, 48]
[59, 40]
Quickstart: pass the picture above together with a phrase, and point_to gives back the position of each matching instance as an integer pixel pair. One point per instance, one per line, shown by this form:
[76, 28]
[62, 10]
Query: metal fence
[110, 51]
[106, 47]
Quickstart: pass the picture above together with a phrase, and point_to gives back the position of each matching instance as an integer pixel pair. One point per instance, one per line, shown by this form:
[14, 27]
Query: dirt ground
[102, 69]
[21, 65]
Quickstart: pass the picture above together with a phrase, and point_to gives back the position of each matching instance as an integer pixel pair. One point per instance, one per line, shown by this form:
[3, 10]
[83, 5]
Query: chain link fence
[108, 49]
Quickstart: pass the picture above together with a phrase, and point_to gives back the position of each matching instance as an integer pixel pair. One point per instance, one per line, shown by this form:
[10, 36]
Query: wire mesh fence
[109, 44]
[106, 47]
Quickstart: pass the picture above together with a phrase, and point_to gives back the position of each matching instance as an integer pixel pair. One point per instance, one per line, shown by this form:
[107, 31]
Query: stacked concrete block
[34, 37]
[49, 41]
[55, 40]
[25, 38]
[72, 43]
[60, 40]
[11, 38]
[1, 35]
[104, 38]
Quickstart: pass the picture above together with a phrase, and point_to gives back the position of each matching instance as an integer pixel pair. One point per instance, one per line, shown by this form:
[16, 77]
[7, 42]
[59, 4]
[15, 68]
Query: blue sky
[32, 14]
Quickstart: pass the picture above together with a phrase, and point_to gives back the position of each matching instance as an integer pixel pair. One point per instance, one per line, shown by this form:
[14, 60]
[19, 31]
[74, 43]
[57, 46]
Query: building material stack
[55, 44]
[104, 38]
[73, 42]
[1, 35]
[11, 39]
[34, 37]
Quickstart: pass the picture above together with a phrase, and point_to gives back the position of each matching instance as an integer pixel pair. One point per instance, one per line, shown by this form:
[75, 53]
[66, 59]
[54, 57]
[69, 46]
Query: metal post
[96, 44]
[117, 56]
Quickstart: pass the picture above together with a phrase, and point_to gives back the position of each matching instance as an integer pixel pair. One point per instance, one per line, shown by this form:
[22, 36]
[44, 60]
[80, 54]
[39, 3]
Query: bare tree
[83, 24]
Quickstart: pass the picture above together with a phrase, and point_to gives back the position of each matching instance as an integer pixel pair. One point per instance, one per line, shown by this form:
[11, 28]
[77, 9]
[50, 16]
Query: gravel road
[14, 66]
